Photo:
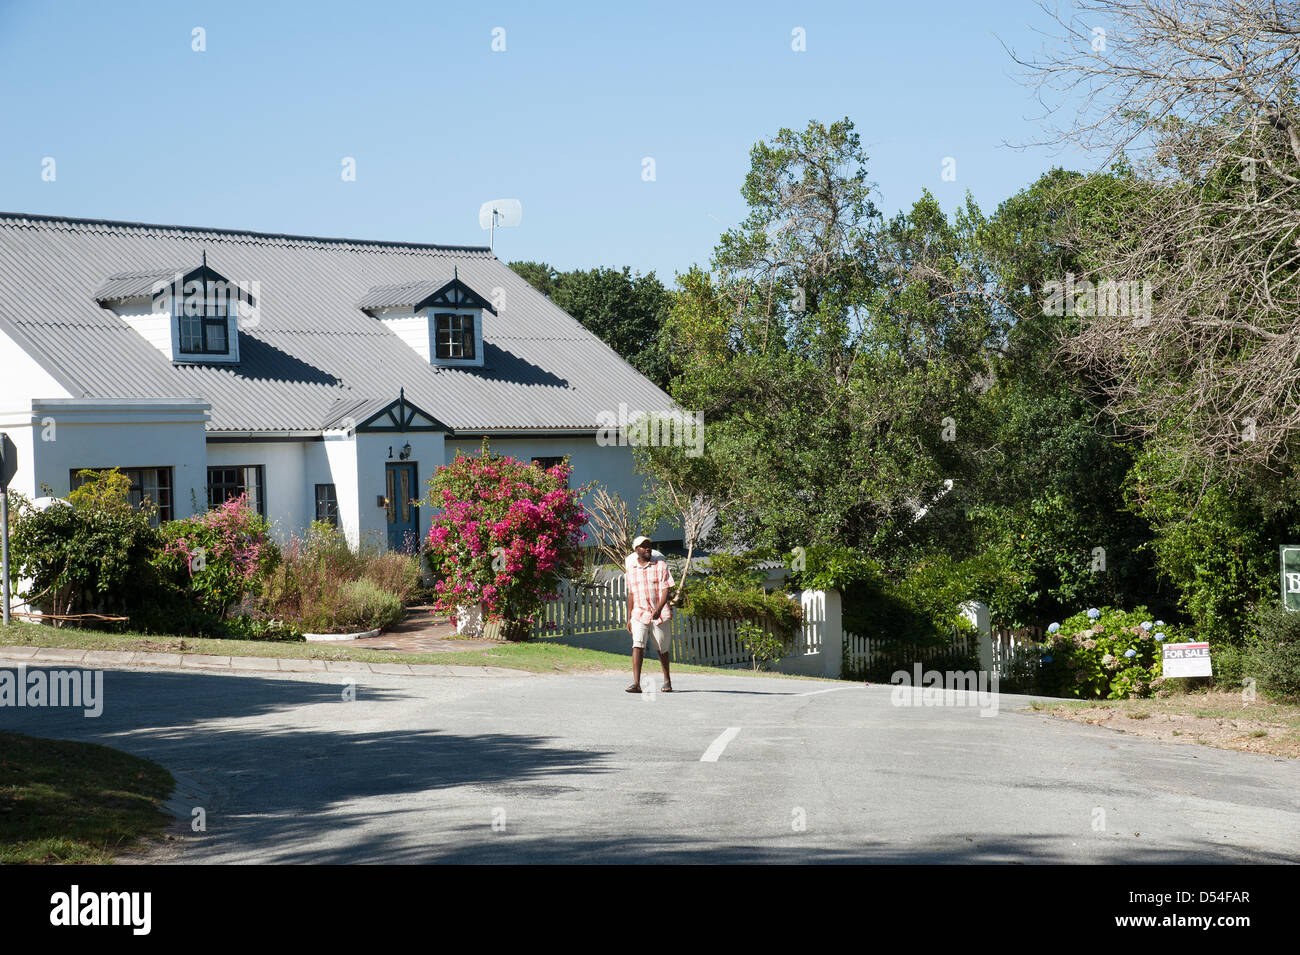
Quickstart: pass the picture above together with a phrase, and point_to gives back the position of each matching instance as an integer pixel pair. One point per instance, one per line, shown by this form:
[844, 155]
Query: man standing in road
[648, 612]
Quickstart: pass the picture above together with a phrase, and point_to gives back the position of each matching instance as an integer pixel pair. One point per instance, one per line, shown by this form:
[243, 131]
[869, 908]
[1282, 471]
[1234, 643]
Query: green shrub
[1216, 545]
[394, 571]
[1229, 664]
[364, 606]
[733, 590]
[763, 647]
[1273, 657]
[920, 609]
[256, 626]
[88, 554]
[321, 585]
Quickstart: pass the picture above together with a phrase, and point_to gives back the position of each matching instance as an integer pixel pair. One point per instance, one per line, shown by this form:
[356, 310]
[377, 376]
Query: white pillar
[978, 614]
[823, 611]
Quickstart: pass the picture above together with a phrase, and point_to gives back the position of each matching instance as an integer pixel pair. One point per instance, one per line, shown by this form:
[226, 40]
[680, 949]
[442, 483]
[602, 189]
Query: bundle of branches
[1196, 110]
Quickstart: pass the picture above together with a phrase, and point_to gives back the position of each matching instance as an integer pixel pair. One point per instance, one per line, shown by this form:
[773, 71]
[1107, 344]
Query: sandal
[634, 688]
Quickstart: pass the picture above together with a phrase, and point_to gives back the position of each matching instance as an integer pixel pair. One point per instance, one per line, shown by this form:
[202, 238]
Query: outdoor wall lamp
[405, 453]
[382, 501]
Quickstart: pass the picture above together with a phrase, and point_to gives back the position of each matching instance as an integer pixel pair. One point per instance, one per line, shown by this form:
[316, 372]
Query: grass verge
[1210, 718]
[76, 802]
[538, 656]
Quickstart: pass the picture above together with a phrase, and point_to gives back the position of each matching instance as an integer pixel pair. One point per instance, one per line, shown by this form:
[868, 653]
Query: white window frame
[431, 314]
[230, 355]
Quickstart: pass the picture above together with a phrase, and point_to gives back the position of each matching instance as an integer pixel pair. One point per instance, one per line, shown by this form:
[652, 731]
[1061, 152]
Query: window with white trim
[227, 482]
[204, 327]
[454, 335]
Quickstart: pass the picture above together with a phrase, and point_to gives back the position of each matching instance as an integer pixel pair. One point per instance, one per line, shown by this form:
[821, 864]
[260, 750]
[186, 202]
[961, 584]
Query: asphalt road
[572, 769]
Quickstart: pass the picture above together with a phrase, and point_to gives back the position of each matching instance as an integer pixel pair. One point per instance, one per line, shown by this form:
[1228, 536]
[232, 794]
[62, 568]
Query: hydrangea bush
[1105, 652]
[505, 535]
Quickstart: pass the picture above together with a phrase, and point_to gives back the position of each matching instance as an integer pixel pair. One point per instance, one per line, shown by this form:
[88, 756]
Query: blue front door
[403, 513]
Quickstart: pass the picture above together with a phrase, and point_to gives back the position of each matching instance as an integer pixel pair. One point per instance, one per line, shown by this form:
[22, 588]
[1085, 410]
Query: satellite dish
[499, 212]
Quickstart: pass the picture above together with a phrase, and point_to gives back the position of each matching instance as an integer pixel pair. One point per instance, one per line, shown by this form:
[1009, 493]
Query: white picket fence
[1014, 652]
[601, 609]
[584, 609]
[862, 653]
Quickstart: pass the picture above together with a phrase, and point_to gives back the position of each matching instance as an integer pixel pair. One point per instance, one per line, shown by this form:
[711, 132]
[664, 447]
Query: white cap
[640, 540]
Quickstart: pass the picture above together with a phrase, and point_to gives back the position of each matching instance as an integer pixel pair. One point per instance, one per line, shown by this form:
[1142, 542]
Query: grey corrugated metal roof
[352, 411]
[400, 295]
[134, 284]
[312, 347]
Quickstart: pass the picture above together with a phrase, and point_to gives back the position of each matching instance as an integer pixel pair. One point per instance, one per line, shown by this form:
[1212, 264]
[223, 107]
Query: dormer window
[455, 334]
[441, 321]
[203, 328]
[191, 314]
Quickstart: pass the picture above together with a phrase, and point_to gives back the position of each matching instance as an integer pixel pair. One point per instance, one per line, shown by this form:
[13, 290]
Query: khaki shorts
[662, 631]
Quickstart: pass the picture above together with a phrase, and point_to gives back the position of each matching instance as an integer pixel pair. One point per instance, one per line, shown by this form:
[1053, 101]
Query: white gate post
[832, 634]
[978, 614]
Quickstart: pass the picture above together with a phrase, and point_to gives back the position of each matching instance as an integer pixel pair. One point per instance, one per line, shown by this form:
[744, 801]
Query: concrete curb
[124, 659]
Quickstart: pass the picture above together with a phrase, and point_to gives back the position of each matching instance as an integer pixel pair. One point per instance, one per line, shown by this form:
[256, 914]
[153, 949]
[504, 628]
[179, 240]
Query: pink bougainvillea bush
[507, 532]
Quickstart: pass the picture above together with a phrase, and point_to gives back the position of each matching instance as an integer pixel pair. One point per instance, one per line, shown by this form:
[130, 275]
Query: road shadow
[264, 784]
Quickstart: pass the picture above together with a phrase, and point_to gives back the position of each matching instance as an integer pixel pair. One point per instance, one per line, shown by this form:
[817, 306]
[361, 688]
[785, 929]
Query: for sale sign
[1187, 659]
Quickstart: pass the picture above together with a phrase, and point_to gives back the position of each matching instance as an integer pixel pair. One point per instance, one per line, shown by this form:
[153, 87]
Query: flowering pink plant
[506, 533]
[225, 553]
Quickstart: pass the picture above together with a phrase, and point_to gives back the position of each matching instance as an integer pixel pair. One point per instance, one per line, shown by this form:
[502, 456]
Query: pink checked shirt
[647, 584]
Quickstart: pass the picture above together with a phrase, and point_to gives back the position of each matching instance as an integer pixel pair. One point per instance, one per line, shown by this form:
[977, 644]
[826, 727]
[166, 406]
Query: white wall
[420, 332]
[289, 487]
[23, 379]
[154, 326]
[612, 466]
[338, 455]
[159, 324]
[411, 329]
[68, 434]
[373, 448]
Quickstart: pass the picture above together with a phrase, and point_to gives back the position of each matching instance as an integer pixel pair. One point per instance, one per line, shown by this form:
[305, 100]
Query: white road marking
[718, 745]
[834, 689]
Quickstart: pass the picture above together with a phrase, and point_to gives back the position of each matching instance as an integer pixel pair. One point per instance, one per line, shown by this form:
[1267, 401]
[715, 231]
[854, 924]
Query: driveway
[727, 769]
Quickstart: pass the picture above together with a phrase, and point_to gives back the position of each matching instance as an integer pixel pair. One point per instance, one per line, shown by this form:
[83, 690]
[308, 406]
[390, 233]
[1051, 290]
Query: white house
[326, 378]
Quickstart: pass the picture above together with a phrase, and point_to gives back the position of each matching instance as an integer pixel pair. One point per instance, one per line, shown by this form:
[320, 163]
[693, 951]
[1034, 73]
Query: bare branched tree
[699, 515]
[1197, 101]
[611, 525]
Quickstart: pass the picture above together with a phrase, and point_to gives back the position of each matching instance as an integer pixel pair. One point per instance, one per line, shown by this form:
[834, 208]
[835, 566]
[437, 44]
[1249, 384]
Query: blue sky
[252, 132]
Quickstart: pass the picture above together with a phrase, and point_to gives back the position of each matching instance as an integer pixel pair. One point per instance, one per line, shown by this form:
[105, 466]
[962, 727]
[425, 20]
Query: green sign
[1289, 555]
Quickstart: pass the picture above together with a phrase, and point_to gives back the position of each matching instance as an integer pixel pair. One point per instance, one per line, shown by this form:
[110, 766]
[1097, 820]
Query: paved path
[534, 768]
[421, 631]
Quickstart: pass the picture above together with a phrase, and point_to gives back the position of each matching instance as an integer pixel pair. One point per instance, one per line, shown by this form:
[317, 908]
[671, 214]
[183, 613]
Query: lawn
[1209, 718]
[76, 802]
[538, 656]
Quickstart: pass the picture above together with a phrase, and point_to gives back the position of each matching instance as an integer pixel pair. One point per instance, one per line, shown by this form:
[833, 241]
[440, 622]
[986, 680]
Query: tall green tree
[826, 375]
[627, 311]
